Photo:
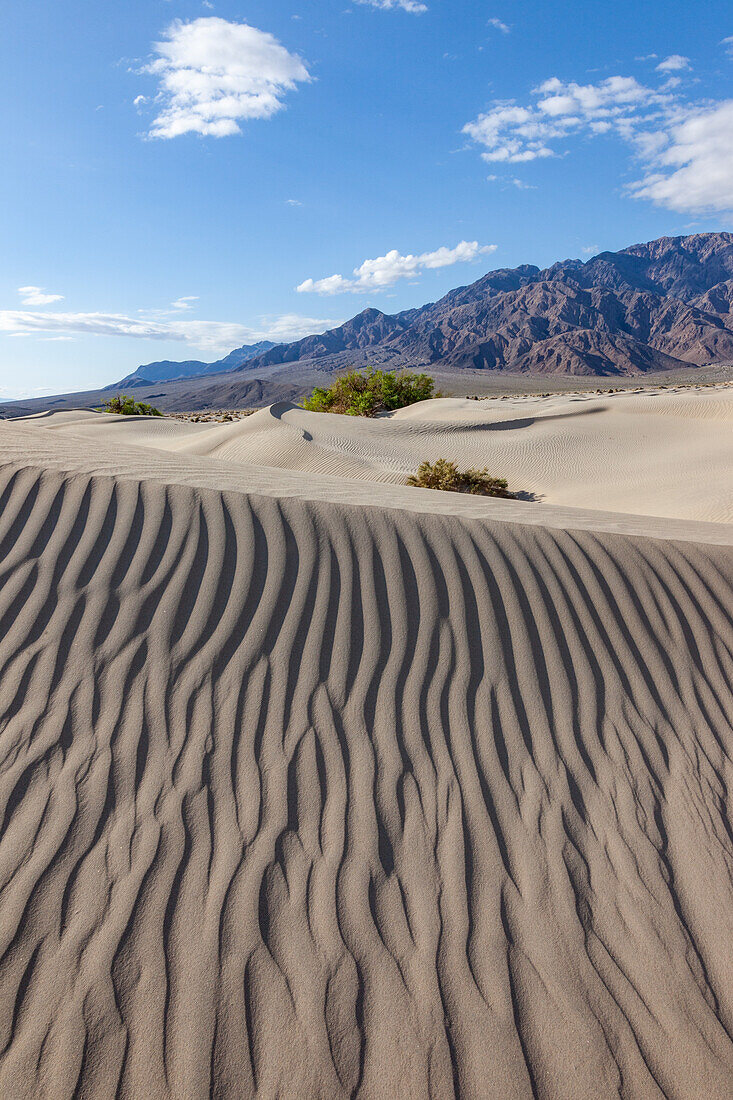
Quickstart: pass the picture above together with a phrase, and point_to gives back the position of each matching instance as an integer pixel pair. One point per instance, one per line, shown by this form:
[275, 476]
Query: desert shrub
[446, 475]
[126, 406]
[368, 392]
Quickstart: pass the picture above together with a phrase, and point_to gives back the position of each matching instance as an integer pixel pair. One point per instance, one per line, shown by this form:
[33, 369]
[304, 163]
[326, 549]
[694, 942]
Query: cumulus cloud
[673, 64]
[386, 270]
[214, 74]
[498, 25]
[413, 6]
[515, 134]
[37, 296]
[686, 148]
[691, 162]
[211, 336]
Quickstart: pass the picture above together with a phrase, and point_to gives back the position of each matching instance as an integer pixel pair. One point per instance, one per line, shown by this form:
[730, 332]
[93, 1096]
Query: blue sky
[182, 177]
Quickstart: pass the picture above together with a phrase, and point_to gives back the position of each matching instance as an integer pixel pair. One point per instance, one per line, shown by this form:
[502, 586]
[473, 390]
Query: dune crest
[301, 798]
[661, 453]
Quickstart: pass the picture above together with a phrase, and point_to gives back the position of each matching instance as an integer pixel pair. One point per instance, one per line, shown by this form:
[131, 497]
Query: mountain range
[651, 307]
[664, 306]
[166, 369]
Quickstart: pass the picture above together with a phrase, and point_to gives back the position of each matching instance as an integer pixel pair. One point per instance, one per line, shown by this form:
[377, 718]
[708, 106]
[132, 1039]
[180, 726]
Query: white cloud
[213, 74]
[687, 148]
[691, 162]
[386, 270]
[515, 134]
[36, 296]
[186, 302]
[212, 336]
[498, 25]
[293, 202]
[673, 64]
[413, 6]
[728, 43]
[590, 250]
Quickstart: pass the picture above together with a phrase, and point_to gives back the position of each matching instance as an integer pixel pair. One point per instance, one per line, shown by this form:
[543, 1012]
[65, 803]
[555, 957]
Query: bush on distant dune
[369, 392]
[126, 406]
[445, 475]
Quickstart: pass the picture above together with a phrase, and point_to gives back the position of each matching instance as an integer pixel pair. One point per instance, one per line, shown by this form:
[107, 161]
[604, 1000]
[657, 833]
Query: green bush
[446, 475]
[126, 406]
[366, 393]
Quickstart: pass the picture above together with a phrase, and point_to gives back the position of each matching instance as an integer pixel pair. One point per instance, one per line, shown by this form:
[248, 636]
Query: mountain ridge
[166, 370]
[652, 306]
[663, 308]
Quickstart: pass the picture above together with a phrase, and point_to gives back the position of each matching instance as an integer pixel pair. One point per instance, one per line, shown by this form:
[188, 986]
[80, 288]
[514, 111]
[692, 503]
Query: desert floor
[316, 785]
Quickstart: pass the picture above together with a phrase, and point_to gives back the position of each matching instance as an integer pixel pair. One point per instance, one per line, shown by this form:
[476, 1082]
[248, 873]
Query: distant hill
[166, 369]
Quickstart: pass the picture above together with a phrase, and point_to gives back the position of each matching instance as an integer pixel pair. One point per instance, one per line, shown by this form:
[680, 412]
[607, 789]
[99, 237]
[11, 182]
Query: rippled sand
[314, 787]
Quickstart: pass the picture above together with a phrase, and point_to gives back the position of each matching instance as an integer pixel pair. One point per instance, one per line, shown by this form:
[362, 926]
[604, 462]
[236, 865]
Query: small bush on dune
[126, 406]
[367, 393]
[446, 475]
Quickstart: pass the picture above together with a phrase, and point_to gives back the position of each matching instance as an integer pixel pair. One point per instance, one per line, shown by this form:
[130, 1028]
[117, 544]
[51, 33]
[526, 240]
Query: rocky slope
[655, 306]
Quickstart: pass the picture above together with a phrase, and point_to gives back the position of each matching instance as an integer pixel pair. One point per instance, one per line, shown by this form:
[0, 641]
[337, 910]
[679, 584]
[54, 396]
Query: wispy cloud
[385, 271]
[213, 336]
[514, 181]
[9, 394]
[185, 303]
[413, 6]
[214, 74]
[499, 25]
[293, 202]
[37, 296]
[728, 43]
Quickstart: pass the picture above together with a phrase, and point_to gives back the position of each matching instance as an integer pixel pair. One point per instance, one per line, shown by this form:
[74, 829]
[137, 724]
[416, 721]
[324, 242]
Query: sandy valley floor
[316, 785]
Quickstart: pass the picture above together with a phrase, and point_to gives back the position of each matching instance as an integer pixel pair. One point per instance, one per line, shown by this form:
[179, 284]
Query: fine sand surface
[655, 452]
[321, 788]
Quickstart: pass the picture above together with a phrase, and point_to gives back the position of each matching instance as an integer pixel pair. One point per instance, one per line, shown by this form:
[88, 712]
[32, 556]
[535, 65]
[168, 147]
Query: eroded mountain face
[650, 307]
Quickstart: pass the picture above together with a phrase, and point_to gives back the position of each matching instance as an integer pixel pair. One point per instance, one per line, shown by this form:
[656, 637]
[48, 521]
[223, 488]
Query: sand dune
[648, 453]
[318, 788]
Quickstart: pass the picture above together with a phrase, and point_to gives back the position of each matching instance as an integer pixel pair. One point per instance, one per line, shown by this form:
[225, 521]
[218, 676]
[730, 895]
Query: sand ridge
[318, 788]
[663, 453]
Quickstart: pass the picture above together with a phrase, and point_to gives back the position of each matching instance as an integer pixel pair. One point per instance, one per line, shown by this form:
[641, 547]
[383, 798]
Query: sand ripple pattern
[303, 800]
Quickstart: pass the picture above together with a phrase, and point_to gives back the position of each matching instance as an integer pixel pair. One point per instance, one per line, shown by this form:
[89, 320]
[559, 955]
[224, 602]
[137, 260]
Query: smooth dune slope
[662, 453]
[308, 799]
